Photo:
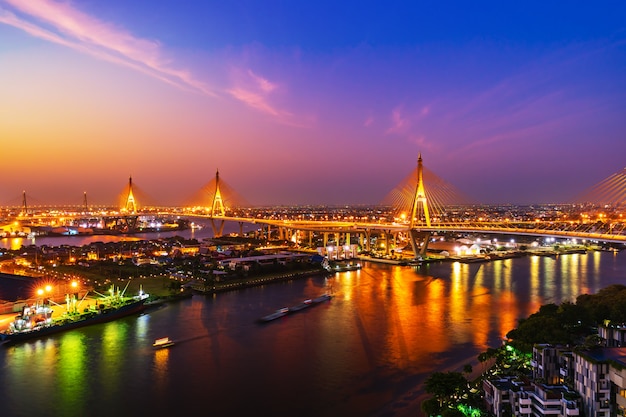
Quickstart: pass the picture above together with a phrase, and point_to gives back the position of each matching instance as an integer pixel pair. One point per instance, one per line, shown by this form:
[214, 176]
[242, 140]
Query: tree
[431, 407]
[467, 369]
[445, 386]
[452, 412]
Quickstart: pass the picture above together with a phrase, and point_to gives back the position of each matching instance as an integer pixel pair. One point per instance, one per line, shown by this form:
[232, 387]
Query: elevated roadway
[610, 233]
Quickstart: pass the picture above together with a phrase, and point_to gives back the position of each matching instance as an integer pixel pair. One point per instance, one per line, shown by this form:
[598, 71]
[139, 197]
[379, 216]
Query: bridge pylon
[217, 204]
[217, 208]
[24, 205]
[419, 239]
[130, 205]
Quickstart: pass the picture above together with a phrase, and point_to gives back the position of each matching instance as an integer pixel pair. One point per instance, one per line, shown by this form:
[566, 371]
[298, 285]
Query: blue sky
[316, 103]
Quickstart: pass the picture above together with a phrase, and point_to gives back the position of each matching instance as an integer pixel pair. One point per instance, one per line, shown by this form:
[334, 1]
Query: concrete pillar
[387, 234]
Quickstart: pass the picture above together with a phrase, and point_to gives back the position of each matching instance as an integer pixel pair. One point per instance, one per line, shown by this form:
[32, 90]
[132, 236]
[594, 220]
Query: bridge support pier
[419, 242]
[218, 227]
[388, 237]
[240, 229]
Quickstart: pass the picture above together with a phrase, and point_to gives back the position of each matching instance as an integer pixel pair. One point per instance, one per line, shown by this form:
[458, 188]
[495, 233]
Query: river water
[385, 330]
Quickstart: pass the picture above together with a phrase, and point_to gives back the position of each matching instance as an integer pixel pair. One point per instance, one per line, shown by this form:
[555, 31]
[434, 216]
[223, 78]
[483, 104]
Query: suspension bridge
[421, 205]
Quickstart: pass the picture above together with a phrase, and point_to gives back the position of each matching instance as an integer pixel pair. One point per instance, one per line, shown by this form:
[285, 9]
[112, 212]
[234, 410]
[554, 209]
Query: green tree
[431, 407]
[445, 386]
[452, 412]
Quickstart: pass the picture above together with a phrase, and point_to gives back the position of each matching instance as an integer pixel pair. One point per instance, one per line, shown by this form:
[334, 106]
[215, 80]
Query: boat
[275, 315]
[163, 342]
[298, 307]
[301, 306]
[322, 298]
[36, 320]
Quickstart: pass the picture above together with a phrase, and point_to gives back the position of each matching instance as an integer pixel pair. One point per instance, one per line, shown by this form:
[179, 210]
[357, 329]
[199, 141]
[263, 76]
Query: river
[15, 243]
[363, 353]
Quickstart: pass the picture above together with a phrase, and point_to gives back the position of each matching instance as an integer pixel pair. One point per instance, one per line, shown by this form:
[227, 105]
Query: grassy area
[155, 286]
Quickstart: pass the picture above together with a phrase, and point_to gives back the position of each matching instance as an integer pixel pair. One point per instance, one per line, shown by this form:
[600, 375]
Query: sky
[307, 103]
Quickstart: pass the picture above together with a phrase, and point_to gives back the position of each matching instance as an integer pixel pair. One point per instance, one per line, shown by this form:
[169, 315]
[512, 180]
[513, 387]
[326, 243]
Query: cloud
[399, 123]
[262, 83]
[256, 91]
[255, 100]
[62, 24]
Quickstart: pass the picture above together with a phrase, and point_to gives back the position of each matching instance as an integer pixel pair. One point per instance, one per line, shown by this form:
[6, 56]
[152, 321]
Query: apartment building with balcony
[600, 379]
[523, 398]
[613, 335]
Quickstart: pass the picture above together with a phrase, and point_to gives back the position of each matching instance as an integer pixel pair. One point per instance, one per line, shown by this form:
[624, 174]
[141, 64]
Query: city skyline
[309, 104]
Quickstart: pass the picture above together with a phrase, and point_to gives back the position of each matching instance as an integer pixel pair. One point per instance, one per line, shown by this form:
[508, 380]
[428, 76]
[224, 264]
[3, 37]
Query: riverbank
[231, 285]
[409, 403]
[164, 287]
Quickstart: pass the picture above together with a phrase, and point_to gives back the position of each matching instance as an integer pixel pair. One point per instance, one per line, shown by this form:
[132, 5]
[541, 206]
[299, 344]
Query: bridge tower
[217, 208]
[420, 195]
[24, 205]
[85, 206]
[218, 203]
[131, 204]
[419, 238]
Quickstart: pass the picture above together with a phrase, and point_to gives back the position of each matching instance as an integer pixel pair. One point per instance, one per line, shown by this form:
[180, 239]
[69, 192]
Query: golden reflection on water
[424, 315]
[535, 281]
[161, 368]
[17, 242]
[597, 257]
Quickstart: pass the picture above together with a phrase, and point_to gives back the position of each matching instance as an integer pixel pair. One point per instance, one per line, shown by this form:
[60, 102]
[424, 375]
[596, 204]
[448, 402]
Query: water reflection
[111, 352]
[385, 328]
[72, 361]
[161, 368]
